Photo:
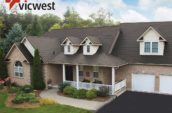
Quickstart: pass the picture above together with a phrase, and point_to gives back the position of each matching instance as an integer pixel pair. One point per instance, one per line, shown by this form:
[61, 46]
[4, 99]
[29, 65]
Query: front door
[69, 73]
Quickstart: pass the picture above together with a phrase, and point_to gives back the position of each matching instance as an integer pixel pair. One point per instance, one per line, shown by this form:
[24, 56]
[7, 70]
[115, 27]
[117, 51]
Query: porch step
[120, 92]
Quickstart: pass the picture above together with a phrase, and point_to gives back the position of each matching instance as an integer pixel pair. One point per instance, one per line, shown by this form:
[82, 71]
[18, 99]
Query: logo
[12, 2]
[30, 6]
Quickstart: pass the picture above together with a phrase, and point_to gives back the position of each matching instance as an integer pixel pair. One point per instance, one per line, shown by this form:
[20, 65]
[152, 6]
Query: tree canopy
[37, 25]
[3, 69]
[16, 34]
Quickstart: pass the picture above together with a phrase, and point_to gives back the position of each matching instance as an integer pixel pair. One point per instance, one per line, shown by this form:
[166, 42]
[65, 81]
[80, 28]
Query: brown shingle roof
[119, 44]
[127, 46]
[25, 52]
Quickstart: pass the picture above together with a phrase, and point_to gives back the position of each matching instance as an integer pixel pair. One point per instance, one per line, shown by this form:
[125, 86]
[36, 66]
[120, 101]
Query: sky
[122, 10]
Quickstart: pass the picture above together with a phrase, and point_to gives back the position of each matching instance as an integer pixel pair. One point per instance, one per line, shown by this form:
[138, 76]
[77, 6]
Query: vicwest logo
[31, 6]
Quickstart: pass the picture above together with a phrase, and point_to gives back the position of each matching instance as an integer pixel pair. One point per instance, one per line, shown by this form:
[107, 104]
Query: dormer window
[151, 42]
[154, 47]
[68, 48]
[151, 47]
[88, 48]
[147, 47]
[90, 45]
[71, 45]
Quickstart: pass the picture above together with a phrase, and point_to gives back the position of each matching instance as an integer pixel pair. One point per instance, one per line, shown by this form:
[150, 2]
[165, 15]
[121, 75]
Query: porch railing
[120, 85]
[88, 86]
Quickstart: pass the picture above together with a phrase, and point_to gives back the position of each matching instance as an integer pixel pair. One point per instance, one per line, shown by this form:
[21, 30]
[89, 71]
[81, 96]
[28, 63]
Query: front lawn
[57, 108]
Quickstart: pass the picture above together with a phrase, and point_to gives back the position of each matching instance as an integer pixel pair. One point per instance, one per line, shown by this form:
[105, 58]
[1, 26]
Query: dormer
[151, 42]
[90, 45]
[71, 45]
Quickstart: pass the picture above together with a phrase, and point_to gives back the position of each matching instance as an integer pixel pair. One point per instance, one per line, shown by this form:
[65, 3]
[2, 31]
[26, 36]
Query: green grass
[43, 109]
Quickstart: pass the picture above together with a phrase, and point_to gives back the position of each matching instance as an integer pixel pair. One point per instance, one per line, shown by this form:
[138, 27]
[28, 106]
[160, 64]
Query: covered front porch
[89, 77]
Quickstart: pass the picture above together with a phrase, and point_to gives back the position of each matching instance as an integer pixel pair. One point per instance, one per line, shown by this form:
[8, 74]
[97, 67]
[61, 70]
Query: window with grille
[18, 69]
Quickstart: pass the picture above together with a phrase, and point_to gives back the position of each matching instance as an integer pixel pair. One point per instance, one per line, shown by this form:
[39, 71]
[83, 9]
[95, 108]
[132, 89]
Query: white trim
[64, 73]
[14, 45]
[18, 69]
[138, 40]
[62, 44]
[77, 76]
[86, 38]
[113, 80]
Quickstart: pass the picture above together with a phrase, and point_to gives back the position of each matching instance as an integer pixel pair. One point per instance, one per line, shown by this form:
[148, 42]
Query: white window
[18, 69]
[88, 48]
[96, 72]
[147, 47]
[68, 48]
[151, 47]
[154, 47]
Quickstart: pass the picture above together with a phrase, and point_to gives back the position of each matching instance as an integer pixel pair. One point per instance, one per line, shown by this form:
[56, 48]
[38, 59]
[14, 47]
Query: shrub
[46, 101]
[14, 84]
[81, 94]
[62, 86]
[27, 89]
[1, 86]
[25, 97]
[13, 89]
[103, 91]
[69, 90]
[91, 94]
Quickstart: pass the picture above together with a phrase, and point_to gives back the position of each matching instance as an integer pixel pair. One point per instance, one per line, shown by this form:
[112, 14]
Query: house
[135, 56]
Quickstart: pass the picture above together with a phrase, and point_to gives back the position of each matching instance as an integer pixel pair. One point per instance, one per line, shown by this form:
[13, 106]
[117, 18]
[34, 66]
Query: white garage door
[165, 84]
[143, 82]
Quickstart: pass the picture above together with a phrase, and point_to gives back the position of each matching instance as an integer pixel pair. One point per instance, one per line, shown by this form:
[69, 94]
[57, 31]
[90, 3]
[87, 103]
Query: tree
[55, 26]
[71, 19]
[1, 26]
[48, 20]
[36, 28]
[37, 74]
[101, 18]
[16, 34]
[3, 68]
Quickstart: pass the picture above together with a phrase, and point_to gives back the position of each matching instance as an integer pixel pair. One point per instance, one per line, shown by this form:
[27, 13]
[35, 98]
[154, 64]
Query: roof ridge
[114, 42]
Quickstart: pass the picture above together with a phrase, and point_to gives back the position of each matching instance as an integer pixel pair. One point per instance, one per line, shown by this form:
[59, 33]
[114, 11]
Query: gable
[15, 54]
[151, 35]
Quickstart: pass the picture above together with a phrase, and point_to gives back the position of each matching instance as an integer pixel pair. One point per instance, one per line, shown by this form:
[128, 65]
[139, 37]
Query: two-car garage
[147, 82]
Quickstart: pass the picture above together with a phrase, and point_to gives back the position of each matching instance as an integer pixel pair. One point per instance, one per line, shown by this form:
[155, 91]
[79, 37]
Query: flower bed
[93, 94]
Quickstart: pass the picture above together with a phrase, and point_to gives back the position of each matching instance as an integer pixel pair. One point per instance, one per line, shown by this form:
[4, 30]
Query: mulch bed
[23, 105]
[99, 99]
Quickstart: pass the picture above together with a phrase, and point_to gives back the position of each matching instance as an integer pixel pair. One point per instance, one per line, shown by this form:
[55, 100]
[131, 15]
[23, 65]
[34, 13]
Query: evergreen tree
[36, 28]
[37, 74]
[16, 34]
[3, 68]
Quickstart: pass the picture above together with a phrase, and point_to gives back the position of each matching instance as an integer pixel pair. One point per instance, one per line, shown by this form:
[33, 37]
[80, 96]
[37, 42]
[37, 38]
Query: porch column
[64, 73]
[113, 80]
[77, 76]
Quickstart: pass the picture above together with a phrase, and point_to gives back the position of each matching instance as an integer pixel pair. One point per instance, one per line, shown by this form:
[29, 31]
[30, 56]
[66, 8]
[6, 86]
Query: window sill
[18, 77]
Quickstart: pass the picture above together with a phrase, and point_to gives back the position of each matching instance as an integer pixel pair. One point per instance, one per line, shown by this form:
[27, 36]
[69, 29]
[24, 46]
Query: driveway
[134, 102]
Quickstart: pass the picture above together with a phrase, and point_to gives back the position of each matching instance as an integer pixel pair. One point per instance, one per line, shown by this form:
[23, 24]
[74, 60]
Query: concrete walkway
[85, 104]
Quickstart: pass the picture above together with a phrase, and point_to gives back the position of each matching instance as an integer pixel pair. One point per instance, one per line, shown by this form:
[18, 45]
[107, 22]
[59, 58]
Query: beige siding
[126, 72]
[14, 56]
[53, 73]
[104, 74]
